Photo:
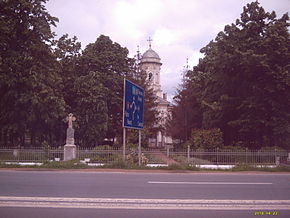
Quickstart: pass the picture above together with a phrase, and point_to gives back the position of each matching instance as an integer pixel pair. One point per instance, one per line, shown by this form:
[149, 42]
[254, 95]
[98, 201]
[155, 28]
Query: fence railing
[149, 156]
[231, 157]
[96, 155]
[30, 154]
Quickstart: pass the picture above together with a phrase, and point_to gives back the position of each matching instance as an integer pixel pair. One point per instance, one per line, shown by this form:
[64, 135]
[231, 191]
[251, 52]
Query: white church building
[150, 63]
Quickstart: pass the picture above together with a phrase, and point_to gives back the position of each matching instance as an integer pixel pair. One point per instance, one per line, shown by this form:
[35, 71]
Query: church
[150, 63]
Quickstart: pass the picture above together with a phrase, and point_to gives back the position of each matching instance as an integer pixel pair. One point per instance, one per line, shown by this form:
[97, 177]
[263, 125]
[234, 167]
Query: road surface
[137, 194]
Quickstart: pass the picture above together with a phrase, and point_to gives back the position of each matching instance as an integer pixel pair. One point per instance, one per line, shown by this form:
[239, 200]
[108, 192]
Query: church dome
[150, 56]
[150, 53]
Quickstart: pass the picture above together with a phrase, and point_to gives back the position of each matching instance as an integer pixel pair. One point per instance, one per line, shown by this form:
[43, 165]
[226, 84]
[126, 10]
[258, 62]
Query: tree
[186, 111]
[206, 139]
[110, 61]
[31, 101]
[91, 110]
[246, 80]
[67, 52]
[42, 79]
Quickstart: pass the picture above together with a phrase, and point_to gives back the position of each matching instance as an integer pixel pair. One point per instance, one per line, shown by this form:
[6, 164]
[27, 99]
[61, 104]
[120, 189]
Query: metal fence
[149, 156]
[99, 155]
[30, 154]
[229, 157]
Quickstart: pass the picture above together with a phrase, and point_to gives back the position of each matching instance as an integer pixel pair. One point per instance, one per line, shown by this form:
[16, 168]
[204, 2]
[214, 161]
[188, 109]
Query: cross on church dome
[150, 56]
[149, 40]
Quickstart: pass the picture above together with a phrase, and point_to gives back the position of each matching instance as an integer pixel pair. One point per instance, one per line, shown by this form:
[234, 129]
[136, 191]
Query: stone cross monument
[70, 132]
[70, 148]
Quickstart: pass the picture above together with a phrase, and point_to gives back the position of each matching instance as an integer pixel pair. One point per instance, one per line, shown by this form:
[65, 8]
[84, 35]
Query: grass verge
[245, 167]
[120, 164]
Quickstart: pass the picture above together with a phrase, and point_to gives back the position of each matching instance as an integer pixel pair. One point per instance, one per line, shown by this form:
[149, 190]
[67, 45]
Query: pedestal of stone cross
[70, 150]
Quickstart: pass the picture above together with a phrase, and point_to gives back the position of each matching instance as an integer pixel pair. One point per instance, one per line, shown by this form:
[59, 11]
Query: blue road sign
[133, 106]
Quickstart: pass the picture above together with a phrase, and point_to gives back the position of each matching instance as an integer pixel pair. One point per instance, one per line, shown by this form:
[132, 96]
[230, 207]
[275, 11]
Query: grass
[121, 164]
[192, 160]
[181, 167]
[72, 164]
[245, 167]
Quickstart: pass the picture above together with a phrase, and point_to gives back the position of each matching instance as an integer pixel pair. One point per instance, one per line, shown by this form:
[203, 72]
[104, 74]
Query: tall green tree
[111, 62]
[91, 109]
[31, 101]
[186, 113]
[67, 51]
[246, 80]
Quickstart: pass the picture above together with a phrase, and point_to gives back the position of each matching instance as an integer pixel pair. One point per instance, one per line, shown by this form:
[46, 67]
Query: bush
[71, 164]
[119, 163]
[246, 167]
[180, 167]
[206, 139]
[273, 148]
[134, 157]
[103, 147]
[234, 148]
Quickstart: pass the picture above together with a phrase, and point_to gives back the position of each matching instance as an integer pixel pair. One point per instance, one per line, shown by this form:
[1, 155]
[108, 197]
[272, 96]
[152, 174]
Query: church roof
[162, 101]
[150, 53]
[150, 56]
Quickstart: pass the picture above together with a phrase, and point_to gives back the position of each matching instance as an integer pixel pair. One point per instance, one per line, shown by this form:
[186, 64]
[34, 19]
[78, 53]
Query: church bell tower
[150, 63]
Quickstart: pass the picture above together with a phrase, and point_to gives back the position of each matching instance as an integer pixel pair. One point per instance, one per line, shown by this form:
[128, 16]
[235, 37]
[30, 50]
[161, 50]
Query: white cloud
[166, 37]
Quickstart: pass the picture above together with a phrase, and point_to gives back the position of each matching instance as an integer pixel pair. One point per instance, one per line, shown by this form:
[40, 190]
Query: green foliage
[245, 167]
[180, 167]
[103, 147]
[243, 83]
[91, 110]
[234, 148]
[67, 52]
[119, 163]
[71, 164]
[241, 86]
[186, 114]
[31, 101]
[42, 79]
[46, 149]
[272, 148]
[111, 63]
[206, 139]
[15, 165]
[133, 157]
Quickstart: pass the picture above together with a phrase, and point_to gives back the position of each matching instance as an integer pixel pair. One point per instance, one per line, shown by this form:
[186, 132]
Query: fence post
[124, 144]
[139, 149]
[246, 155]
[19, 153]
[277, 159]
[217, 156]
[188, 153]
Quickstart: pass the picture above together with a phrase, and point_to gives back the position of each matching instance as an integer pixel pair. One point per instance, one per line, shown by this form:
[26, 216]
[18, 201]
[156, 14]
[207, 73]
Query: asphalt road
[129, 194]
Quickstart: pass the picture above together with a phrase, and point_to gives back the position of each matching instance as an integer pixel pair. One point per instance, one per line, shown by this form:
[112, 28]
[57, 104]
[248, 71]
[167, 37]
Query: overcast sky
[179, 28]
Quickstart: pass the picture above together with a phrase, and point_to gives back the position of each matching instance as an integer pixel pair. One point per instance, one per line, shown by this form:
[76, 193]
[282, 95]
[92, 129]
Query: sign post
[124, 143]
[133, 112]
